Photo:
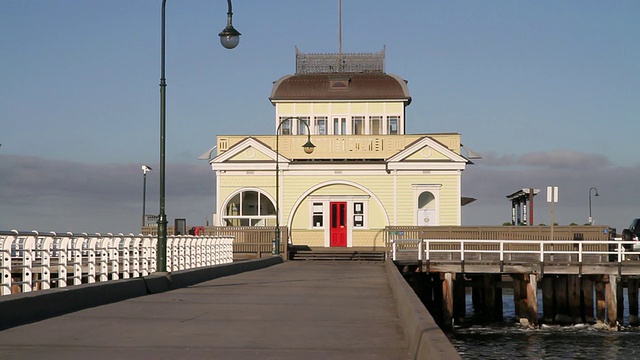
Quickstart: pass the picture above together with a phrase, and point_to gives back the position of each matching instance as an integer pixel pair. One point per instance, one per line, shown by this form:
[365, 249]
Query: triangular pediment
[248, 150]
[427, 149]
[427, 153]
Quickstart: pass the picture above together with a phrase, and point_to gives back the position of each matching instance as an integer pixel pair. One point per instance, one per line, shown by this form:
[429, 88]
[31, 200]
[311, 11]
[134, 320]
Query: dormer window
[339, 83]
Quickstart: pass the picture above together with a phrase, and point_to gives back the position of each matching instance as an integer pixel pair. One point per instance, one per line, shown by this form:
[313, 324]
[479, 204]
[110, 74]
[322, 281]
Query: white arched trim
[309, 191]
[221, 211]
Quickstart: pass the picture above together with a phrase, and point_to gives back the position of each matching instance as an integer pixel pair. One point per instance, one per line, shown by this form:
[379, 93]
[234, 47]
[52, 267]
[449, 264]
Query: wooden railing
[249, 241]
[517, 252]
[539, 233]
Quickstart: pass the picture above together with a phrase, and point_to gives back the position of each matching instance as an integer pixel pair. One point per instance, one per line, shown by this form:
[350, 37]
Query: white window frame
[380, 126]
[354, 124]
[342, 121]
[316, 125]
[350, 200]
[397, 119]
[419, 189]
[314, 211]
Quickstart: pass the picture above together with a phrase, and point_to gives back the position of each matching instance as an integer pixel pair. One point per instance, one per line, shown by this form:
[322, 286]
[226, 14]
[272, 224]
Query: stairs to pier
[299, 253]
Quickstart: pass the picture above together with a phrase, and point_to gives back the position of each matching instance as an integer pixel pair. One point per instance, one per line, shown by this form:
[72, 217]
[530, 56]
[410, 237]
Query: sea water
[509, 340]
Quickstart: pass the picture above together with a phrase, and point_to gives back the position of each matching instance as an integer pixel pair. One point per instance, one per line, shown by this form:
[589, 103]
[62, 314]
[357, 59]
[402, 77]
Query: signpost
[552, 197]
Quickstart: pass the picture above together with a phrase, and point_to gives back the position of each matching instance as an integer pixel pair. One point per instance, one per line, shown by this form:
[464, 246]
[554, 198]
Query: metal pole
[228, 32]
[144, 196]
[162, 218]
[276, 250]
[591, 217]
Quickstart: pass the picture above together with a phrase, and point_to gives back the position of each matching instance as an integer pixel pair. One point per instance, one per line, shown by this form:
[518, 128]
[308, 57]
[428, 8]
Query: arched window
[426, 201]
[427, 204]
[249, 208]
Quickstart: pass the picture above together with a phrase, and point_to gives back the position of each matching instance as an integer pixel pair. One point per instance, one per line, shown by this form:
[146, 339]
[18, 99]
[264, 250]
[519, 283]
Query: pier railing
[37, 261]
[497, 254]
[249, 241]
[537, 233]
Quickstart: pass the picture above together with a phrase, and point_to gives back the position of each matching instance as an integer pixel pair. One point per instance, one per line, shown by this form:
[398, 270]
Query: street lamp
[145, 170]
[229, 37]
[308, 149]
[590, 217]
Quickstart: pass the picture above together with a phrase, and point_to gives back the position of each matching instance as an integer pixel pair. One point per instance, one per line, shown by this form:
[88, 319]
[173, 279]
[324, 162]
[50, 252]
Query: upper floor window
[375, 125]
[339, 126]
[392, 125]
[357, 125]
[320, 125]
[302, 124]
[285, 126]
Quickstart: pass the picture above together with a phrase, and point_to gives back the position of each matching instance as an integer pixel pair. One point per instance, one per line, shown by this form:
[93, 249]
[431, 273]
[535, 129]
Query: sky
[547, 92]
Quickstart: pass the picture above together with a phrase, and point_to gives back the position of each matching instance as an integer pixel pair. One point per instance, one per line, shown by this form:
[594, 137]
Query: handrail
[461, 250]
[38, 261]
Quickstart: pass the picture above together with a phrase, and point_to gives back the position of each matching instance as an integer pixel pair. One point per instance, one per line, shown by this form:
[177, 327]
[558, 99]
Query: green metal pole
[162, 218]
[276, 250]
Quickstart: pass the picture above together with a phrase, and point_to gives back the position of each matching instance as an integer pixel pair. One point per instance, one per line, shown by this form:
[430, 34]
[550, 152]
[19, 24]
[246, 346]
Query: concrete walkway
[294, 310]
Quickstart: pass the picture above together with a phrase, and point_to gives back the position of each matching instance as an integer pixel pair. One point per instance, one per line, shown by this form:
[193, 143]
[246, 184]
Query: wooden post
[477, 289]
[519, 296]
[587, 296]
[447, 300]
[574, 289]
[515, 278]
[532, 299]
[620, 301]
[612, 301]
[459, 300]
[498, 311]
[632, 292]
[489, 298]
[601, 303]
[437, 295]
[562, 301]
[548, 304]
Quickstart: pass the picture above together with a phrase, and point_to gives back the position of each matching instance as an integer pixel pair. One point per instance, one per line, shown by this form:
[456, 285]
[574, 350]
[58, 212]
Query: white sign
[552, 194]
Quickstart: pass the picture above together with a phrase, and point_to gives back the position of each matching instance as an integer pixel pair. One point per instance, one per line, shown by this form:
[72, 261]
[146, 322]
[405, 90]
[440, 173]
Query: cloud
[494, 177]
[52, 195]
[564, 159]
[557, 159]
[44, 194]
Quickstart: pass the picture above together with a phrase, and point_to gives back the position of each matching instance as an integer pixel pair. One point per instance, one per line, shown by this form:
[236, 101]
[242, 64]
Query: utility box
[180, 227]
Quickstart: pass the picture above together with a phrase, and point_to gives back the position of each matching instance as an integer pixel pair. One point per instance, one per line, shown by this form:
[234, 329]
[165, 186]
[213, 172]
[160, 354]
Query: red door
[338, 214]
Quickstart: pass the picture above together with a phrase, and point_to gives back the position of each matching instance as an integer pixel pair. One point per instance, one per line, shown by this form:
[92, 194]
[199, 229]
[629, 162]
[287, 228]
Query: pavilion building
[365, 172]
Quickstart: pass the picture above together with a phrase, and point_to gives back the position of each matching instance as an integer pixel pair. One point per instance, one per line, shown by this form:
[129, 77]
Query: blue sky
[548, 92]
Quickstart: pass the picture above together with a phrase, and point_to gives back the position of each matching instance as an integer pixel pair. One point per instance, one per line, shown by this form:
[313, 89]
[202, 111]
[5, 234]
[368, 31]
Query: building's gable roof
[248, 150]
[426, 149]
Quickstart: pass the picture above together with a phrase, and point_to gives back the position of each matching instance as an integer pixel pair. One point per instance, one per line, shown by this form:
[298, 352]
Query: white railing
[505, 250]
[38, 261]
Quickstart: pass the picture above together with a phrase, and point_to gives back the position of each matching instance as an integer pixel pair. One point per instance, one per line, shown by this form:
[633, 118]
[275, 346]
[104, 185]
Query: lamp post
[145, 170]
[590, 217]
[308, 148]
[229, 38]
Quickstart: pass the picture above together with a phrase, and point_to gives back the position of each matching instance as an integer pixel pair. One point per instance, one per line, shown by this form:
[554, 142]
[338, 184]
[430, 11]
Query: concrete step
[339, 255]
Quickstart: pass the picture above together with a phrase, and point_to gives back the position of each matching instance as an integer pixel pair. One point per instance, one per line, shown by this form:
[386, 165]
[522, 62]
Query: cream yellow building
[364, 174]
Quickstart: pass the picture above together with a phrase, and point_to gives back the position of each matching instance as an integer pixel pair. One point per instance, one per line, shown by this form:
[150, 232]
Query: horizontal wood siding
[368, 238]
